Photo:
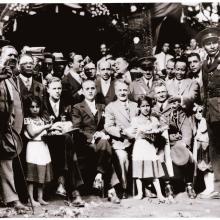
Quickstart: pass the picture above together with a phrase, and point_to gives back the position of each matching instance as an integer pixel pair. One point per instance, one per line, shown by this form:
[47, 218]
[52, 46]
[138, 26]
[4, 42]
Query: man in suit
[118, 115]
[63, 154]
[182, 89]
[144, 85]
[93, 143]
[163, 57]
[72, 89]
[209, 38]
[122, 71]
[180, 137]
[105, 84]
[90, 70]
[11, 119]
[28, 85]
[195, 70]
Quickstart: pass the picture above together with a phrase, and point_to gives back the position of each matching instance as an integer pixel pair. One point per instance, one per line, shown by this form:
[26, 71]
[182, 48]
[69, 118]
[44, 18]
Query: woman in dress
[146, 163]
[39, 170]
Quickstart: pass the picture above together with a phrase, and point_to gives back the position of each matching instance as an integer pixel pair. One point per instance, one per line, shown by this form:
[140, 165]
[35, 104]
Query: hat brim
[200, 36]
[4, 42]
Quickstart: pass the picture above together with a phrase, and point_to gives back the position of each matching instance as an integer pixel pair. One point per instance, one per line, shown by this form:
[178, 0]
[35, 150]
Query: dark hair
[28, 101]
[145, 98]
[194, 55]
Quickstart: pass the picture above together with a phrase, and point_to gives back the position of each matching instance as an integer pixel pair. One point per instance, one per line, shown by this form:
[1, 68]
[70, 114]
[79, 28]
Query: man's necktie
[55, 109]
[178, 87]
[161, 107]
[28, 83]
[127, 109]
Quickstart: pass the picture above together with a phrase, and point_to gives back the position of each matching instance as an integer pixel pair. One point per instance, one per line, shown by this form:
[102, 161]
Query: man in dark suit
[180, 135]
[209, 38]
[94, 147]
[72, 89]
[11, 120]
[63, 154]
[28, 85]
[105, 84]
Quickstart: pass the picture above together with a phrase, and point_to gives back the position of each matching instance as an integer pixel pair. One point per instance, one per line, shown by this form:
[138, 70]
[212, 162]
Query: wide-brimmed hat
[3, 42]
[179, 153]
[208, 33]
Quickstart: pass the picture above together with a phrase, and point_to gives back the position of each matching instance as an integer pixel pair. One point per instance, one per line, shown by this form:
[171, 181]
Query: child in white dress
[146, 163]
[39, 170]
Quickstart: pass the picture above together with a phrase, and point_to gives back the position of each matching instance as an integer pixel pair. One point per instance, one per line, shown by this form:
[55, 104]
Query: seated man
[61, 147]
[180, 136]
[93, 147]
[118, 115]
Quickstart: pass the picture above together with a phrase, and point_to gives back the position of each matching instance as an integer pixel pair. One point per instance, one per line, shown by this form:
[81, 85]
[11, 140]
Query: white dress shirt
[105, 84]
[91, 106]
[55, 106]
[27, 81]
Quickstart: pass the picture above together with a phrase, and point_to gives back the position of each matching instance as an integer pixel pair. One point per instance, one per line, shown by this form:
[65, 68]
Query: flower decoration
[98, 10]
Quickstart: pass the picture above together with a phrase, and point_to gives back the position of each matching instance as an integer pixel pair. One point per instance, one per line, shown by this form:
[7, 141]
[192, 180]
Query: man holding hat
[180, 138]
[209, 38]
[144, 85]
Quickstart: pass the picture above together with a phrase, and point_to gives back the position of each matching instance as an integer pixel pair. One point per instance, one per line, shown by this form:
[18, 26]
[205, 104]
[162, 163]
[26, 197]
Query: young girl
[38, 159]
[146, 163]
[201, 151]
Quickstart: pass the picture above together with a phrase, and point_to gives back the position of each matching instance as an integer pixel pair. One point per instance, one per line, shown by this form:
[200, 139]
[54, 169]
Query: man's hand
[174, 99]
[6, 73]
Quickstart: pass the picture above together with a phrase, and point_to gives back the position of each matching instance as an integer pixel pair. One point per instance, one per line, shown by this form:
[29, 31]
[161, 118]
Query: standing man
[118, 115]
[209, 39]
[28, 85]
[163, 57]
[72, 89]
[11, 120]
[105, 84]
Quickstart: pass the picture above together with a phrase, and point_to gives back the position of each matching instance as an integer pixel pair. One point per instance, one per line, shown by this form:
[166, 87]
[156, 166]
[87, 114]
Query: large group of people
[146, 126]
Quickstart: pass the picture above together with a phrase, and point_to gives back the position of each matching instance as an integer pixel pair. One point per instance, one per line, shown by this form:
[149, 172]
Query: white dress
[37, 155]
[146, 163]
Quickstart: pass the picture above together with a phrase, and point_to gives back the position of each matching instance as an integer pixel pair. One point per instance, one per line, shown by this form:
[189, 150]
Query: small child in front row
[39, 170]
[146, 163]
[201, 151]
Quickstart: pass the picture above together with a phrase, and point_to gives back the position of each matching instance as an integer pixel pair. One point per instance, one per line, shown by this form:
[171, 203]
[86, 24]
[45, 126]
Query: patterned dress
[146, 163]
[39, 169]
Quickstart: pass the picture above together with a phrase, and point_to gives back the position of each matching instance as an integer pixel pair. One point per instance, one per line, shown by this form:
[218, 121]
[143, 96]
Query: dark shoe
[61, 190]
[190, 192]
[124, 195]
[17, 205]
[168, 190]
[114, 199]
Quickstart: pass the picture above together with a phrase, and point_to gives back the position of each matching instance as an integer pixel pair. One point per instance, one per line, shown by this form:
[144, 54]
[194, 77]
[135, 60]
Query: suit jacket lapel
[99, 110]
[87, 109]
[184, 85]
[122, 110]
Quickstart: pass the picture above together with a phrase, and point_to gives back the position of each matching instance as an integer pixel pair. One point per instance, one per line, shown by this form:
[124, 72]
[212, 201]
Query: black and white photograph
[110, 109]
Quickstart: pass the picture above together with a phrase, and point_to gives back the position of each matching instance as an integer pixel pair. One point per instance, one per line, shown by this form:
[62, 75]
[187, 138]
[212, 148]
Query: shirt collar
[24, 78]
[76, 76]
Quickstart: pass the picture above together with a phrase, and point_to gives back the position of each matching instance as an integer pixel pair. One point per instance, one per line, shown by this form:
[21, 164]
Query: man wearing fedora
[180, 138]
[209, 38]
[144, 85]
[59, 64]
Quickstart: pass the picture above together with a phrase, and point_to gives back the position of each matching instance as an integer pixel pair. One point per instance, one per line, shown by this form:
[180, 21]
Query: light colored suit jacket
[189, 91]
[117, 118]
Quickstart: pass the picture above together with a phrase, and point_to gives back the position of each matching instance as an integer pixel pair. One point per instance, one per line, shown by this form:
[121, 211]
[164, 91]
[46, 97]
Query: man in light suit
[105, 84]
[11, 120]
[72, 89]
[118, 115]
[180, 135]
[182, 89]
[144, 86]
[93, 146]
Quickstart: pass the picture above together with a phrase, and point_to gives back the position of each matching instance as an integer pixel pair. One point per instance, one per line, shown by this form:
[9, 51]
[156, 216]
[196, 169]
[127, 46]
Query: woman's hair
[28, 103]
[145, 98]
